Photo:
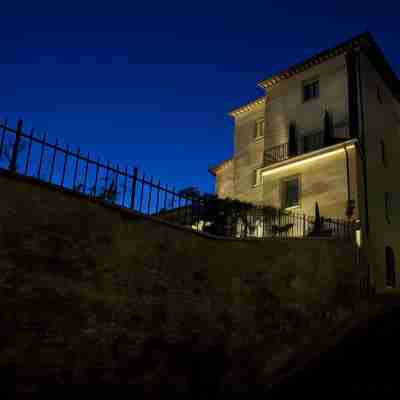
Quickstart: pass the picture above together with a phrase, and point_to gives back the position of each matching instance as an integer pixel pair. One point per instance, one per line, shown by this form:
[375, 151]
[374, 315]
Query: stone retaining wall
[90, 293]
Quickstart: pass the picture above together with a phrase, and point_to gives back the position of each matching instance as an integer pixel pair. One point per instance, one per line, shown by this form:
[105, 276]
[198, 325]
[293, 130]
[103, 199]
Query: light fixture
[308, 160]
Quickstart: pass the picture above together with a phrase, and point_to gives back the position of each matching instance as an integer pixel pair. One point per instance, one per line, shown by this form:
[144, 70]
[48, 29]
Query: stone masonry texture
[93, 294]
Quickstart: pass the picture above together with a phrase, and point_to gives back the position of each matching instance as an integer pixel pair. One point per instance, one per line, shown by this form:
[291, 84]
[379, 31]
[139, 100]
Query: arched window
[390, 268]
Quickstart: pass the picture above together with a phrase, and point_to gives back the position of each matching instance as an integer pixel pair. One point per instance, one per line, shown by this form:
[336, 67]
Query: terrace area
[298, 146]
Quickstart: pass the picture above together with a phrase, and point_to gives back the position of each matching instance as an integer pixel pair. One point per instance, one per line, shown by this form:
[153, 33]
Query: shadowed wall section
[90, 293]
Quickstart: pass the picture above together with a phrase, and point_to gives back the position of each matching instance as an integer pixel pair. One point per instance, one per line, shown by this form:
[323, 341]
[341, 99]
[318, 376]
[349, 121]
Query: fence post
[3, 136]
[13, 161]
[76, 170]
[149, 198]
[134, 179]
[158, 197]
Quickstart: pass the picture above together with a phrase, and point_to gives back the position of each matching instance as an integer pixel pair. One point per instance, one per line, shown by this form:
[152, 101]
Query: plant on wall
[231, 217]
[292, 140]
[107, 191]
[319, 225]
[328, 129]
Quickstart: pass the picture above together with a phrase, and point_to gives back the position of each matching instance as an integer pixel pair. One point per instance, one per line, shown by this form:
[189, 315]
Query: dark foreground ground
[365, 362]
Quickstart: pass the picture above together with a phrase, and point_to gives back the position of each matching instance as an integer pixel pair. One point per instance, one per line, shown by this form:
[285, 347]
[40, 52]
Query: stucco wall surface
[322, 180]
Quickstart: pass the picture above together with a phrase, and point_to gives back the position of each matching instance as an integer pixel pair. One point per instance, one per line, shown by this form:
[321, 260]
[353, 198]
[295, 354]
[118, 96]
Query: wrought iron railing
[29, 155]
[276, 153]
[304, 144]
[71, 170]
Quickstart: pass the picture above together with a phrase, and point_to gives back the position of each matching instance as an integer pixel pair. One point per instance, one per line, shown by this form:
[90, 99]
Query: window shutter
[259, 129]
[255, 130]
[254, 177]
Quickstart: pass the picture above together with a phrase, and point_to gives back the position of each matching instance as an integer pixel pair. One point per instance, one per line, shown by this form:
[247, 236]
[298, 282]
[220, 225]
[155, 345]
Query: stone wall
[380, 122]
[225, 180]
[248, 155]
[91, 293]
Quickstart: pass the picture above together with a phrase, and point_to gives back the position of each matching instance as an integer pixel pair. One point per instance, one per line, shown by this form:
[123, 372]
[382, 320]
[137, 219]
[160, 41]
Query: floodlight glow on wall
[306, 161]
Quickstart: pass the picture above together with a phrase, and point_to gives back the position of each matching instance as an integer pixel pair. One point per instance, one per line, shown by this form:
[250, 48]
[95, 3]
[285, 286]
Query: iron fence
[29, 155]
[303, 144]
[276, 153]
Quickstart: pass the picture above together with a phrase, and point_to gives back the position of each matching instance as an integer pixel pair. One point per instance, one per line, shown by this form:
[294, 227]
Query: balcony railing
[305, 144]
[276, 154]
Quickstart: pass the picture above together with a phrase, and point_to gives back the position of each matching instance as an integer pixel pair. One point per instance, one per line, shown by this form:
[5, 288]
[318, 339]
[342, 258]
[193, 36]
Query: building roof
[364, 41]
[220, 166]
[313, 61]
[247, 107]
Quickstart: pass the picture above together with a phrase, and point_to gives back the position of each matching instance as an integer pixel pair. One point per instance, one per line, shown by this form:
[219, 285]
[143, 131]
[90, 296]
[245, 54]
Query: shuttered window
[259, 129]
[310, 90]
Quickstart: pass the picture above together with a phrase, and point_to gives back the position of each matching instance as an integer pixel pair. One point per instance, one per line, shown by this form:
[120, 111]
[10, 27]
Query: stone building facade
[327, 131]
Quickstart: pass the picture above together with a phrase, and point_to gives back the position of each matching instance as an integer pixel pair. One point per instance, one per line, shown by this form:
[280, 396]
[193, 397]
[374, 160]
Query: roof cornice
[221, 166]
[319, 58]
[364, 41]
[248, 107]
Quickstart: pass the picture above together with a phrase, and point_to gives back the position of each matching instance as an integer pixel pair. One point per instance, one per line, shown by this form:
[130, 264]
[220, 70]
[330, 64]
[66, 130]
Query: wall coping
[126, 213]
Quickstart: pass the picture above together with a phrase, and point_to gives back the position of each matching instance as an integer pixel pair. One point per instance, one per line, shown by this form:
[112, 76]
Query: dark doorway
[390, 267]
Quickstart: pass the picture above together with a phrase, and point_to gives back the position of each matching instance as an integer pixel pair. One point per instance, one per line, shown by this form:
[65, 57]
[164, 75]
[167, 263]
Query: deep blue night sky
[150, 83]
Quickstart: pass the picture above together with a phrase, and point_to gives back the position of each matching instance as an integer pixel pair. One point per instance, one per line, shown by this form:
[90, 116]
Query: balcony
[304, 144]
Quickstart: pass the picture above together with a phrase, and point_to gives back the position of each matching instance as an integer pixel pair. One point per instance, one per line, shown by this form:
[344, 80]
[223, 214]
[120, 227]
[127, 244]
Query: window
[259, 129]
[310, 90]
[290, 192]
